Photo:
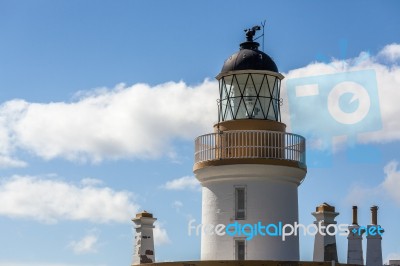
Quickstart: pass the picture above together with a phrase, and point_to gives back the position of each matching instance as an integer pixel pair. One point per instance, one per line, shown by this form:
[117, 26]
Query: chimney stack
[354, 246]
[374, 240]
[325, 244]
[355, 222]
[374, 215]
[144, 240]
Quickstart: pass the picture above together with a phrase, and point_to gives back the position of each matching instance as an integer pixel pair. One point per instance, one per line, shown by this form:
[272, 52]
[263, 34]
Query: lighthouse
[249, 167]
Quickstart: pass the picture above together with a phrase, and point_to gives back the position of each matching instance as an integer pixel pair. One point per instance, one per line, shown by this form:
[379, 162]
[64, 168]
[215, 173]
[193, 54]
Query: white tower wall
[271, 197]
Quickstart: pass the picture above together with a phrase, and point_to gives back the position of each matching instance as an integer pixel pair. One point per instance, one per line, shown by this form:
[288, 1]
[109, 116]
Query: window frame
[239, 216]
[236, 248]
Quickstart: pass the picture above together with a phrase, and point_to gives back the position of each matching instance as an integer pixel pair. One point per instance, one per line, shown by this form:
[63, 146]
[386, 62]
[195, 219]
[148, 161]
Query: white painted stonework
[374, 249]
[144, 240]
[354, 248]
[271, 197]
[325, 245]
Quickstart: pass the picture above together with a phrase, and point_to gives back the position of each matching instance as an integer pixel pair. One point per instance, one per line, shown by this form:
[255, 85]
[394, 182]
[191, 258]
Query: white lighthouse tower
[249, 167]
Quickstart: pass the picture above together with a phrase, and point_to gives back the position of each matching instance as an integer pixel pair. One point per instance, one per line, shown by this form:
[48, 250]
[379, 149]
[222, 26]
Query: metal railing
[239, 144]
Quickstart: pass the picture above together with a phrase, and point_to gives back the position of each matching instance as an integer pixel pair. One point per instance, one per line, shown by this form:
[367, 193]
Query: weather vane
[250, 33]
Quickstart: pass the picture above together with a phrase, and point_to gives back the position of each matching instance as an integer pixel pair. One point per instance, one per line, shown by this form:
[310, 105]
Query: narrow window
[240, 213]
[240, 249]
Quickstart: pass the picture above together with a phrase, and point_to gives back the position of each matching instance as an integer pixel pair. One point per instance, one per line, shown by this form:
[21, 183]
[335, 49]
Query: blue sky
[100, 104]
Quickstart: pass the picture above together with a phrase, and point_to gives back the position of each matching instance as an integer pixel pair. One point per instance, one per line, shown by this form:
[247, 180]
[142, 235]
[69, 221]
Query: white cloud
[91, 182]
[160, 235]
[177, 205]
[186, 182]
[390, 52]
[389, 187]
[49, 201]
[141, 121]
[8, 162]
[392, 180]
[359, 194]
[88, 244]
[125, 122]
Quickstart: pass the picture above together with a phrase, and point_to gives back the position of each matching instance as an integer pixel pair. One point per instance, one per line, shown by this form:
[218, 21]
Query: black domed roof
[249, 58]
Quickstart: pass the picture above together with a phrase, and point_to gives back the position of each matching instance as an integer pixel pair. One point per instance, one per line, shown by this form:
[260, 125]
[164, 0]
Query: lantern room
[249, 84]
